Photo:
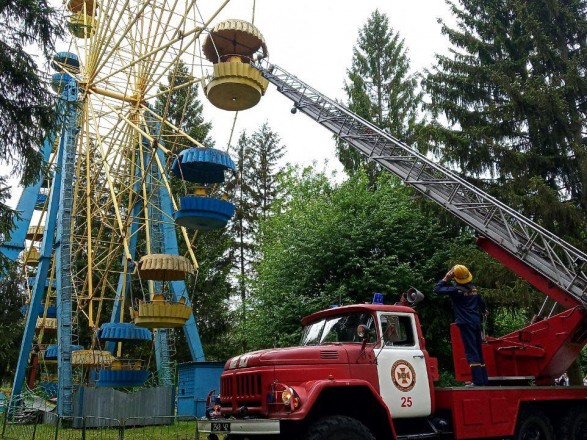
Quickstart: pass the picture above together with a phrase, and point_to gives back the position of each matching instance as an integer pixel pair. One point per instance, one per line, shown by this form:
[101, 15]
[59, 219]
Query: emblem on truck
[403, 375]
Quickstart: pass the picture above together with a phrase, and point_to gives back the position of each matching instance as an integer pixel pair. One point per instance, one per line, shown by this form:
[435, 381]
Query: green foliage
[212, 292]
[509, 104]
[338, 245]
[380, 87]
[257, 167]
[180, 105]
[10, 318]
[26, 104]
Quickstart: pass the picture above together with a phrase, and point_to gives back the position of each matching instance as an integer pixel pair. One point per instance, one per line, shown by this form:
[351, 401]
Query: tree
[26, 103]
[11, 294]
[26, 115]
[331, 244]
[258, 170]
[180, 105]
[513, 93]
[380, 86]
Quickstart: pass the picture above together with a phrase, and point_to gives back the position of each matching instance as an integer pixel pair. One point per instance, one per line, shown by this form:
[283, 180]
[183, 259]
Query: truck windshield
[339, 328]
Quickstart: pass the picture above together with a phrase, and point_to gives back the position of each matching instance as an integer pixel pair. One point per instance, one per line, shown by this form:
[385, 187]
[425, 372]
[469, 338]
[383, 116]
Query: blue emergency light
[378, 298]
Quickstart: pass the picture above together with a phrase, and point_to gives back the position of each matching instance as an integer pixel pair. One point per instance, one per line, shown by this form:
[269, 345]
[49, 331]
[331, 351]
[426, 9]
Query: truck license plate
[220, 427]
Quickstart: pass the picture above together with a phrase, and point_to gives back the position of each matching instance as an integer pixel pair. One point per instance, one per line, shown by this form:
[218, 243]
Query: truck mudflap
[236, 426]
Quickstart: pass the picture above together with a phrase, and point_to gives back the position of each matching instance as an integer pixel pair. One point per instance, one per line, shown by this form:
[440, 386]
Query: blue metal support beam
[28, 199]
[63, 257]
[38, 288]
[26, 206]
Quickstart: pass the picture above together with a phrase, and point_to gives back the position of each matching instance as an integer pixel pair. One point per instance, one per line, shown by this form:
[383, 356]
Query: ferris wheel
[108, 243]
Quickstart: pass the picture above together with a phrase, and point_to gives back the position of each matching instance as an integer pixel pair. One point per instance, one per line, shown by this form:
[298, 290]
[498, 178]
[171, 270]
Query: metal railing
[37, 425]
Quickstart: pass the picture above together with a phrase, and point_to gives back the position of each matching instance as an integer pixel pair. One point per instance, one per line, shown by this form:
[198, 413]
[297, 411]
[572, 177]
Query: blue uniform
[467, 305]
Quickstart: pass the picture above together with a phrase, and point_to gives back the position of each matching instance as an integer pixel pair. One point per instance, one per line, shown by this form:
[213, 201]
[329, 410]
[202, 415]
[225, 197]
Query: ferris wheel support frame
[67, 113]
[63, 257]
[27, 201]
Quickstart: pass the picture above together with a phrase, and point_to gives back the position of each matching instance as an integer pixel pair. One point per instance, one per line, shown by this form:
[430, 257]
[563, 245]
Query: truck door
[403, 377]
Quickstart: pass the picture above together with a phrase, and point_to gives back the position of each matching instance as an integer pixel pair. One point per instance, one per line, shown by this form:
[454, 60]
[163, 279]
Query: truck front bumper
[236, 426]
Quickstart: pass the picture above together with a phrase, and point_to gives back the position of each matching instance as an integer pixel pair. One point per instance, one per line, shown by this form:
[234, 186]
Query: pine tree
[266, 152]
[183, 109]
[26, 115]
[513, 93]
[510, 103]
[258, 169]
[380, 86]
[26, 103]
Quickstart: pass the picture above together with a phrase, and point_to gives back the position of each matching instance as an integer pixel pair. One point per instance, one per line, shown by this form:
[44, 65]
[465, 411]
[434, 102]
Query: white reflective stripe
[249, 426]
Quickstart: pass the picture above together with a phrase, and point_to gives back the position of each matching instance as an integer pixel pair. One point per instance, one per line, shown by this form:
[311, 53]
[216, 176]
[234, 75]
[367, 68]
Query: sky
[313, 40]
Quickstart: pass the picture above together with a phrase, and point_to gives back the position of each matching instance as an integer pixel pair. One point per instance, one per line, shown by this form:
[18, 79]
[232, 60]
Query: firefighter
[467, 305]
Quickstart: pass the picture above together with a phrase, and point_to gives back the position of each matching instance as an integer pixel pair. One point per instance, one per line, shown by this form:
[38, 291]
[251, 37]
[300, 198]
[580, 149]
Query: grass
[180, 430]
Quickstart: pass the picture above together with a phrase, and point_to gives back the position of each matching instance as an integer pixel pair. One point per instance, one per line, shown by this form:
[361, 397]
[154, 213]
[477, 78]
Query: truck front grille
[241, 389]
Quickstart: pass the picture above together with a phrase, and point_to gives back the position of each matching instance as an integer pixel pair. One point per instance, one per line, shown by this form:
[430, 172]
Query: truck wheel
[533, 426]
[574, 424]
[338, 428]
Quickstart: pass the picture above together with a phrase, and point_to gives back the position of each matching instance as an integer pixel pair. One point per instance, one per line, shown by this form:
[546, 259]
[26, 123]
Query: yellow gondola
[160, 313]
[82, 25]
[35, 233]
[92, 358]
[47, 324]
[31, 257]
[164, 267]
[235, 84]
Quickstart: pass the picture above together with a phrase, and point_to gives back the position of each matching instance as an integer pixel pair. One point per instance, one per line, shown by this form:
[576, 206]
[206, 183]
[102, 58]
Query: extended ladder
[540, 250]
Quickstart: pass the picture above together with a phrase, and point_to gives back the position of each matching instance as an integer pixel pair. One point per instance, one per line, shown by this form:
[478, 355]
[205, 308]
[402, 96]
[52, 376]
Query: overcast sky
[313, 39]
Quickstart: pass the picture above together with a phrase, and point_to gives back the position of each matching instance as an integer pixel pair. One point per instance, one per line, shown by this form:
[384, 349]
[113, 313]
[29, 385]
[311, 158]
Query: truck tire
[338, 428]
[573, 425]
[533, 425]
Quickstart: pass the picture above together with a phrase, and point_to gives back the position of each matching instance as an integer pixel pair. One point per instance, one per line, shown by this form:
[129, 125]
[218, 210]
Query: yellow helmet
[462, 274]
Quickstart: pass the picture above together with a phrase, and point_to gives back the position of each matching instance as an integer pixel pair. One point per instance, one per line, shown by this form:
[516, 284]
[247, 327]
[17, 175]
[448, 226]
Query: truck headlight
[286, 396]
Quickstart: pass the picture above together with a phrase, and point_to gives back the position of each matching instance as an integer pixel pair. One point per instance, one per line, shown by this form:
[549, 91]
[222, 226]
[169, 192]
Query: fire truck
[363, 372]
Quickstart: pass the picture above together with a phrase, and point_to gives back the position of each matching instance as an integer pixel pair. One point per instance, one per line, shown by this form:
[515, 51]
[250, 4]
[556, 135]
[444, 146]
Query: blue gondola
[202, 165]
[60, 80]
[51, 351]
[121, 378]
[203, 213]
[121, 332]
[51, 311]
[41, 199]
[65, 59]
